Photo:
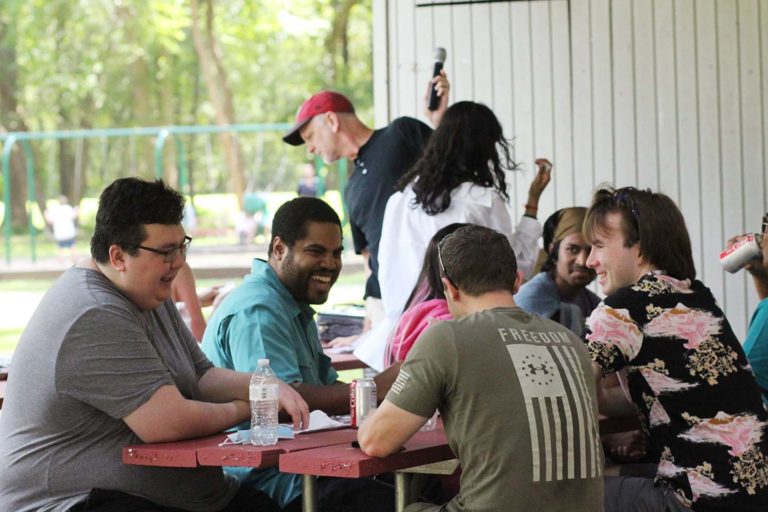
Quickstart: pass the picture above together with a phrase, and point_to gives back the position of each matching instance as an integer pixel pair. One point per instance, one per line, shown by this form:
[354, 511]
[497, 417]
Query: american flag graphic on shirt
[564, 435]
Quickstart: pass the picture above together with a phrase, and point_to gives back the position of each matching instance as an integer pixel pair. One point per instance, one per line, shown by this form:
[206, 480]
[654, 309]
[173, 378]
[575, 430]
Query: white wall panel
[583, 160]
[564, 185]
[753, 133]
[645, 95]
[666, 94]
[601, 48]
[730, 143]
[688, 123]
[543, 95]
[623, 71]
[665, 72]
[409, 100]
[425, 39]
[462, 77]
[483, 73]
[709, 148]
[522, 81]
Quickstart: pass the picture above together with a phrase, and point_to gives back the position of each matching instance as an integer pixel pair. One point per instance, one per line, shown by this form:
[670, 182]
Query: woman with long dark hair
[425, 304]
[459, 178]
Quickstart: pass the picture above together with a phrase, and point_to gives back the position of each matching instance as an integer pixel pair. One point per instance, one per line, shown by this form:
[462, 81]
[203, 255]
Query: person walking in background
[63, 220]
[310, 184]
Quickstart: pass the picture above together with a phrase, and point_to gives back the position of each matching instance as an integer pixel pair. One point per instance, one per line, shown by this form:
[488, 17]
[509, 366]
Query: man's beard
[298, 281]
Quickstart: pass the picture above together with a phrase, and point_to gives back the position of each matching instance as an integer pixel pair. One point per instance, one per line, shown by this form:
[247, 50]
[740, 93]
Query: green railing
[162, 133]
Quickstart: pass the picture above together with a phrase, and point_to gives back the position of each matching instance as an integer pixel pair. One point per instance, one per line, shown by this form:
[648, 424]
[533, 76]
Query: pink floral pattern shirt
[688, 375]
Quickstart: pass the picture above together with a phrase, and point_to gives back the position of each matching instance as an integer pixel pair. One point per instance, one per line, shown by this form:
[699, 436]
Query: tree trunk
[337, 42]
[12, 121]
[219, 93]
[170, 165]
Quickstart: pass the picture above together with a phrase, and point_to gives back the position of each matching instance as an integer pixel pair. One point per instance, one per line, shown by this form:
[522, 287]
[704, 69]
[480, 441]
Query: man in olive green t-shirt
[515, 391]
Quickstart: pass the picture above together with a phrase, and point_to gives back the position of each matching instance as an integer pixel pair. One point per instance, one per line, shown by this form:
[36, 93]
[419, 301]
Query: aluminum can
[362, 400]
[746, 249]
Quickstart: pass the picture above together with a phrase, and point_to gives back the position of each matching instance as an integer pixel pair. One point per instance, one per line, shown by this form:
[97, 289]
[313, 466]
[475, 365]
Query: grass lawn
[215, 215]
[215, 223]
[19, 298]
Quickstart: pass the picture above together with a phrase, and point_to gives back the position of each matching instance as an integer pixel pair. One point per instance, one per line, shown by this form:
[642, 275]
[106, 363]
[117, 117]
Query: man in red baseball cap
[328, 125]
[320, 103]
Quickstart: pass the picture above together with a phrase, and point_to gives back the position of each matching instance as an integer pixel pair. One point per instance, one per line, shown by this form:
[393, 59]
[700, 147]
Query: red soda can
[746, 249]
[362, 400]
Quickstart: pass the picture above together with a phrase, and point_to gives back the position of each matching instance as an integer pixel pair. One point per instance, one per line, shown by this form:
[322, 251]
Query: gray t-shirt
[88, 358]
[517, 398]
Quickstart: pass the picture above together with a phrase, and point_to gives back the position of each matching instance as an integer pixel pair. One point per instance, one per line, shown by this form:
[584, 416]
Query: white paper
[372, 344]
[343, 349]
[318, 420]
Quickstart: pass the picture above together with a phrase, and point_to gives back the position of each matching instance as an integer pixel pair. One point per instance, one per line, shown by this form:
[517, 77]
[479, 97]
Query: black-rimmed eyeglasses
[170, 255]
[440, 259]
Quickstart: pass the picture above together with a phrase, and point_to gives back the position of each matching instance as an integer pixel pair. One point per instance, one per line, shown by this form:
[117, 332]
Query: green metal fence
[161, 134]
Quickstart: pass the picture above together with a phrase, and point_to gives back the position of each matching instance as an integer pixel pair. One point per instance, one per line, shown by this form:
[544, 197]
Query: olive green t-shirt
[517, 398]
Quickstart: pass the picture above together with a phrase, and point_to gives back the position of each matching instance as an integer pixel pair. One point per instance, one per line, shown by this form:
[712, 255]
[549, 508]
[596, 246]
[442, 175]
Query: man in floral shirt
[686, 371]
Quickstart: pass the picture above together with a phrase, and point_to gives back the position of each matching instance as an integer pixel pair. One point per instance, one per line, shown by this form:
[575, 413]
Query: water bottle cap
[263, 362]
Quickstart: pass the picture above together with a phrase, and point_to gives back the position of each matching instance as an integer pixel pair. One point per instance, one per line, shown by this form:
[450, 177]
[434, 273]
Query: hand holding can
[742, 251]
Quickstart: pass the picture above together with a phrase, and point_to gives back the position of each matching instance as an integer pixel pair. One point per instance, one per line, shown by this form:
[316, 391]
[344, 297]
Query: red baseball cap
[320, 103]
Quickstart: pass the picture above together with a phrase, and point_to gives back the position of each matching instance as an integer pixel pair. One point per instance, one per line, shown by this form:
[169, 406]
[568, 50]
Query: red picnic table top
[344, 361]
[265, 456]
[341, 460]
[206, 451]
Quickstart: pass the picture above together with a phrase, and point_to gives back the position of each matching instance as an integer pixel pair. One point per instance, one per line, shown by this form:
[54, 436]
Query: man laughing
[269, 316]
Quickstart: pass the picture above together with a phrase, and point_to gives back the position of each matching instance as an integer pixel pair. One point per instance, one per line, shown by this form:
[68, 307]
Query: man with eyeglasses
[106, 362]
[686, 372]
[513, 389]
[756, 342]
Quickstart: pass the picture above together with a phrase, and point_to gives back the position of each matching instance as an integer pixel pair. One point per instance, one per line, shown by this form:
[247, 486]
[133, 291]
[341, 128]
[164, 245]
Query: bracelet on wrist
[531, 207]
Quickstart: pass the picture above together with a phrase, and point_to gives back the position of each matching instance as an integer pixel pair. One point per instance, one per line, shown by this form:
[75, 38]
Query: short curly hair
[125, 207]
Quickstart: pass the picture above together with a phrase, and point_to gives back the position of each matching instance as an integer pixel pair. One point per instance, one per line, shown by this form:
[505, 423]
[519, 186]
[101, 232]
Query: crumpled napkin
[318, 420]
[244, 436]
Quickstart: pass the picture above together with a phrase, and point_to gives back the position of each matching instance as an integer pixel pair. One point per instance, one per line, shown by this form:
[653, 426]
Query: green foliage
[96, 64]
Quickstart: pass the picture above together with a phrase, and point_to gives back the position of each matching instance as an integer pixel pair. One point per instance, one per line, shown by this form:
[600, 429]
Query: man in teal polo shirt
[269, 315]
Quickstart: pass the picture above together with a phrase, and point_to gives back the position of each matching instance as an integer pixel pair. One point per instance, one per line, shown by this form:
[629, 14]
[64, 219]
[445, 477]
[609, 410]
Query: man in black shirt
[327, 123]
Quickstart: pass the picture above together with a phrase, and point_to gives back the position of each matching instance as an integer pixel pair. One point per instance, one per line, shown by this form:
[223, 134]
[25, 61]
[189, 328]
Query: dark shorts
[66, 244]
[636, 494]
[102, 500]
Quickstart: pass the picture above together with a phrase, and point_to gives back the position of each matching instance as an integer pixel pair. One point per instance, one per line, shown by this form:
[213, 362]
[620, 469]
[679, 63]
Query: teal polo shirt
[756, 346]
[261, 319]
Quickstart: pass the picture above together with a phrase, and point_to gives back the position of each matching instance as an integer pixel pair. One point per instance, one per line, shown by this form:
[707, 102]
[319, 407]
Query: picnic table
[343, 360]
[328, 452]
[347, 461]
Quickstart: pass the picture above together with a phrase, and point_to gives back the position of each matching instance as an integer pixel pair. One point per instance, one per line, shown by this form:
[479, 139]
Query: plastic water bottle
[263, 393]
[431, 424]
